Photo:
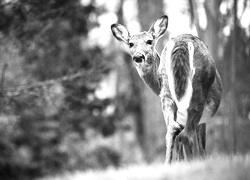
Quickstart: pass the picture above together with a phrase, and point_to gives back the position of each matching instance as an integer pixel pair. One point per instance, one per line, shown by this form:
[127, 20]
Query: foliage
[37, 135]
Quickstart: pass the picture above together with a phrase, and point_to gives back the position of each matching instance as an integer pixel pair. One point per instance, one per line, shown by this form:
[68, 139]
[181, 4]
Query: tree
[153, 122]
[230, 52]
[53, 117]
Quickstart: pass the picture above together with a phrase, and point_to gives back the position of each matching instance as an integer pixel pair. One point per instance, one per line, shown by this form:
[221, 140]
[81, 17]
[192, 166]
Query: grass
[213, 168]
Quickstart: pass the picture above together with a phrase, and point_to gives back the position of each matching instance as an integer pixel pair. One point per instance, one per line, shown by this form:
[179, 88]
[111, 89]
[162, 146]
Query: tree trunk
[149, 11]
[135, 89]
[210, 35]
[233, 115]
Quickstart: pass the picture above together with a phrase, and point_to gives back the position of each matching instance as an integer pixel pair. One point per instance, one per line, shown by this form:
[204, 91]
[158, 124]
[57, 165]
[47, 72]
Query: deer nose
[138, 57]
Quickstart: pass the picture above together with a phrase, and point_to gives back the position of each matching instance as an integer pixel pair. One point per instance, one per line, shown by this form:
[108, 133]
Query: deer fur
[184, 77]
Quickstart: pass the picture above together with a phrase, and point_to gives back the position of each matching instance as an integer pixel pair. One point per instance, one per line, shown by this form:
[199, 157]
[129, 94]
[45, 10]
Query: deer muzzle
[138, 57]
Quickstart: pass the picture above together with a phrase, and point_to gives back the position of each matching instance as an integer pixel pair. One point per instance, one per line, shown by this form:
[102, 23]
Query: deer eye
[131, 44]
[149, 42]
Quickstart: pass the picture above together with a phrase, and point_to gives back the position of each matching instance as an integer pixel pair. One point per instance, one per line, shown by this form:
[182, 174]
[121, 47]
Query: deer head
[142, 45]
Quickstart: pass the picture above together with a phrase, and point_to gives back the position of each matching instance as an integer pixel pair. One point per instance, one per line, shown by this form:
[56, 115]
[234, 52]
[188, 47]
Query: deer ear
[159, 27]
[120, 32]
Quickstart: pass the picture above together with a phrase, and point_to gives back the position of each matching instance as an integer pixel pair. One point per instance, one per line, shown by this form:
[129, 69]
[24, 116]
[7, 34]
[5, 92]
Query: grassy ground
[213, 168]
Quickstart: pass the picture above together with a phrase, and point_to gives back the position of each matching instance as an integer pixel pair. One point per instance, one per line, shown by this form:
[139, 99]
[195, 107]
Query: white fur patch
[191, 58]
[207, 114]
[138, 66]
[183, 103]
[170, 46]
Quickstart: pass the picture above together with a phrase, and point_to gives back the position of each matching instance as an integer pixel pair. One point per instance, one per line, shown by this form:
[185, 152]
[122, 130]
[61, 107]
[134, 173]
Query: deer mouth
[138, 57]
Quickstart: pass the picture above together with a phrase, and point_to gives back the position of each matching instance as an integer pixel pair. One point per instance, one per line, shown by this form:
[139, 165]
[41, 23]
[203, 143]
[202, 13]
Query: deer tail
[182, 66]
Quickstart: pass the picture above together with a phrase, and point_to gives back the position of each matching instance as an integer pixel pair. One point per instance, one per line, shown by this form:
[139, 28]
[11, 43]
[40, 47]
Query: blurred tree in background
[45, 128]
[54, 116]
[231, 52]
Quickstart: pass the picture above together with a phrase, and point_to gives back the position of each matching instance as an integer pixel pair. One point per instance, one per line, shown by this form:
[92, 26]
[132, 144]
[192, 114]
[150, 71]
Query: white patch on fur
[138, 66]
[170, 46]
[183, 103]
[207, 114]
[139, 51]
[191, 58]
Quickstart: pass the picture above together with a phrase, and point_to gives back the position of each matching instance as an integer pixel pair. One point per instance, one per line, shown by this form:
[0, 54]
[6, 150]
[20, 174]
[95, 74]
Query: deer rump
[193, 78]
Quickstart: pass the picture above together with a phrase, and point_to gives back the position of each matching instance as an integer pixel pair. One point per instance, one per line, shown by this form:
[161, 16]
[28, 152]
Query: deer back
[193, 80]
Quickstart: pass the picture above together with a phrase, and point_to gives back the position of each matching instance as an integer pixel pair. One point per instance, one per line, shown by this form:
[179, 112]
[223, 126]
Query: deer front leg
[170, 137]
[173, 128]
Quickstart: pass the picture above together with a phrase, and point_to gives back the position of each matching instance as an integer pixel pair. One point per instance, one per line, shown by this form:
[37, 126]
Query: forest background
[70, 98]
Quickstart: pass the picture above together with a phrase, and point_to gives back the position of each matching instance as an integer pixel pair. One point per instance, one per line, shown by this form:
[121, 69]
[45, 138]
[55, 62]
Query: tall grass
[218, 167]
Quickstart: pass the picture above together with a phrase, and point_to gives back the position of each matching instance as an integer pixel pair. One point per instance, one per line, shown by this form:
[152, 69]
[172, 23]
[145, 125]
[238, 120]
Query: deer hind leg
[201, 138]
[179, 150]
[200, 143]
[186, 145]
[187, 135]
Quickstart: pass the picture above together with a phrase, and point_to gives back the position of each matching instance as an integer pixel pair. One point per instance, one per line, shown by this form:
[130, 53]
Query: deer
[184, 77]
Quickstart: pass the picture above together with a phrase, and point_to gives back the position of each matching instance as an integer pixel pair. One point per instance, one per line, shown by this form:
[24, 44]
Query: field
[221, 167]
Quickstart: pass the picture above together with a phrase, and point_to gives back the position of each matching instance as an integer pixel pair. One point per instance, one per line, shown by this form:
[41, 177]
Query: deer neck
[148, 72]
